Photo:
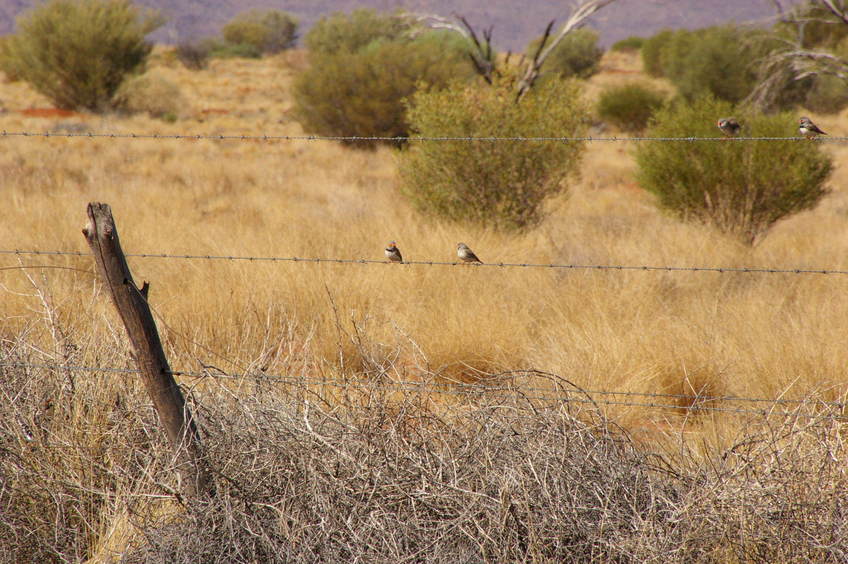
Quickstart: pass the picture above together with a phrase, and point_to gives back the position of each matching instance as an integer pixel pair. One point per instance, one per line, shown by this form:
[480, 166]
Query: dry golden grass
[734, 334]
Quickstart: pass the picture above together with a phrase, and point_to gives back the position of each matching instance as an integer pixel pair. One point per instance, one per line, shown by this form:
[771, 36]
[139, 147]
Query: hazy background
[515, 22]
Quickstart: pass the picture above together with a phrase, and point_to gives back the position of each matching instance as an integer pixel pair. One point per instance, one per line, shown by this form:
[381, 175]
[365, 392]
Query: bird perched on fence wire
[393, 253]
[808, 129]
[729, 126]
[465, 254]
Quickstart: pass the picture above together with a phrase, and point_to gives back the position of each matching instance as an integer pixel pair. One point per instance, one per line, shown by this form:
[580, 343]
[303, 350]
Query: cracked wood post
[131, 302]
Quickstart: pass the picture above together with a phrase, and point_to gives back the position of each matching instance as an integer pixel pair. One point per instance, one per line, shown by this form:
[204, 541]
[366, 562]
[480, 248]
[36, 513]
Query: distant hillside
[516, 23]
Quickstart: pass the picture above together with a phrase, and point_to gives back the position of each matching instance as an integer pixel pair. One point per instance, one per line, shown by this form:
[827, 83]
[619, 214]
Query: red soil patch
[217, 111]
[48, 112]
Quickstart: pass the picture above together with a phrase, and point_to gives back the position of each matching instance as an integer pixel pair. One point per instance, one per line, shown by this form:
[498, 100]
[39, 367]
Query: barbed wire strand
[397, 139]
[462, 388]
[362, 261]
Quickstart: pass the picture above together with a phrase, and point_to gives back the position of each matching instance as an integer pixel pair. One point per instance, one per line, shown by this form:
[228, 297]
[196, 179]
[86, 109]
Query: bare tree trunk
[131, 303]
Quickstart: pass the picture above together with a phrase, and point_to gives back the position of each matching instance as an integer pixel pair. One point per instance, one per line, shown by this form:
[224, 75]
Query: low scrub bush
[741, 188]
[341, 32]
[630, 106]
[576, 55]
[194, 54]
[225, 50]
[362, 93]
[268, 31]
[77, 53]
[828, 95]
[632, 43]
[652, 50]
[502, 185]
[7, 66]
[153, 94]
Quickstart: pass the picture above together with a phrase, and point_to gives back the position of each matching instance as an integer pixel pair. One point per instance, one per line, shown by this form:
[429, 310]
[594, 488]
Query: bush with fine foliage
[630, 106]
[576, 55]
[632, 43]
[741, 188]
[341, 32]
[828, 95]
[153, 94]
[78, 52]
[500, 185]
[194, 54]
[714, 61]
[362, 93]
[268, 31]
[652, 50]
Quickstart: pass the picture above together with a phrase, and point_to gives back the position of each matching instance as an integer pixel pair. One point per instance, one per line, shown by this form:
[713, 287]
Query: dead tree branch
[483, 57]
[793, 61]
[577, 19]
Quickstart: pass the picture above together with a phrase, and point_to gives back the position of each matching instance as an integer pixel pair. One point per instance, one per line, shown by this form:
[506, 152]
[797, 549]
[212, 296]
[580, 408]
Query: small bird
[465, 254]
[393, 253]
[729, 126]
[808, 129]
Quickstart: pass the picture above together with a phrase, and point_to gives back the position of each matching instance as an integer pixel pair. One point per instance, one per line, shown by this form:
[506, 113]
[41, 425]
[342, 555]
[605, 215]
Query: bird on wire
[393, 253]
[729, 126]
[808, 129]
[465, 254]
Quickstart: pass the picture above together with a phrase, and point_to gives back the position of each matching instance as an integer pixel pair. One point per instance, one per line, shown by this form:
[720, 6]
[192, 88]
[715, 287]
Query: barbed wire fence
[364, 261]
[396, 139]
[689, 403]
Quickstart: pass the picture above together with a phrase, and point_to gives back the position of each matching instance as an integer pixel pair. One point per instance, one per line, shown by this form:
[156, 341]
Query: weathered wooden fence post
[131, 302]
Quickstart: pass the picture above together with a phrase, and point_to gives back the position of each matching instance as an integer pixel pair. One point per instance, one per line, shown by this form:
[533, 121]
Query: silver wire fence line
[691, 403]
[363, 261]
[399, 139]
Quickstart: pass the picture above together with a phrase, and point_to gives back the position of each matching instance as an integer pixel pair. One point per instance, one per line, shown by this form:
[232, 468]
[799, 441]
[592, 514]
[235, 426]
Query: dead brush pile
[378, 472]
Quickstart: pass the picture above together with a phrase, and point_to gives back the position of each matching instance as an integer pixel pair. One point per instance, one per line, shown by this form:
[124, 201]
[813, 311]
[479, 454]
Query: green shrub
[225, 50]
[7, 66]
[268, 31]
[652, 52]
[828, 95]
[362, 93]
[150, 93]
[742, 188]
[632, 43]
[341, 32]
[576, 55]
[502, 185]
[630, 106]
[714, 61]
[195, 54]
[78, 52]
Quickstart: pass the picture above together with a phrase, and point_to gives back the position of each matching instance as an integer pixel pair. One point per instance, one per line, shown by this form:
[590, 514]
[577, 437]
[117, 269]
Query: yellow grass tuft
[738, 334]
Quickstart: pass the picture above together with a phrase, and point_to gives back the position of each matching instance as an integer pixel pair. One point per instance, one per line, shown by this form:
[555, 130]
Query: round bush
[362, 93]
[502, 185]
[153, 94]
[576, 55]
[714, 61]
[341, 32]
[632, 43]
[629, 107]
[77, 53]
[652, 52]
[740, 187]
[268, 31]
[194, 54]
[828, 95]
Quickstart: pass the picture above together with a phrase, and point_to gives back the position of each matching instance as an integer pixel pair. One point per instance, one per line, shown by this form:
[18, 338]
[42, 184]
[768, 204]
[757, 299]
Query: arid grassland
[382, 473]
